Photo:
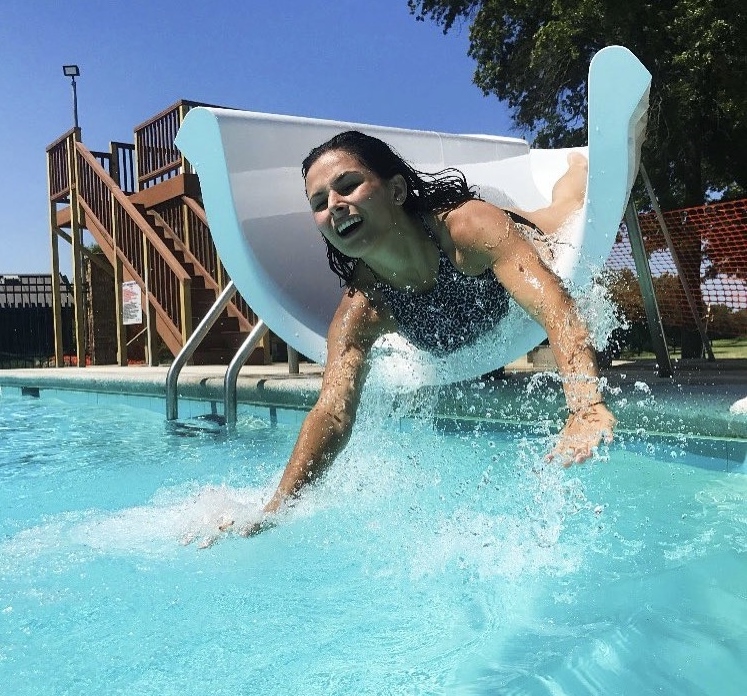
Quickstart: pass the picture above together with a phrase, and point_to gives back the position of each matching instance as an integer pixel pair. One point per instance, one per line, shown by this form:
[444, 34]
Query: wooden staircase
[232, 327]
[152, 231]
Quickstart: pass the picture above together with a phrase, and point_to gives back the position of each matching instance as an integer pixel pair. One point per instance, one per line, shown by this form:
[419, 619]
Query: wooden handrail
[150, 261]
[58, 166]
[196, 209]
[174, 166]
[202, 242]
[133, 213]
[188, 255]
[102, 158]
[122, 167]
[174, 107]
[210, 281]
[157, 155]
[238, 301]
[91, 218]
[63, 137]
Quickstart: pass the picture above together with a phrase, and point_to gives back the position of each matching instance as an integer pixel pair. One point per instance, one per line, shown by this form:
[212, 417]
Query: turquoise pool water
[432, 560]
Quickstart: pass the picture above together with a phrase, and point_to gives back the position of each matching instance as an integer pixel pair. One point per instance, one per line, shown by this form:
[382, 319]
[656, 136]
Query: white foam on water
[506, 522]
[174, 516]
[739, 407]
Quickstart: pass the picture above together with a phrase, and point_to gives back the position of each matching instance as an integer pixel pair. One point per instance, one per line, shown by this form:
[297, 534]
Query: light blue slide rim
[618, 98]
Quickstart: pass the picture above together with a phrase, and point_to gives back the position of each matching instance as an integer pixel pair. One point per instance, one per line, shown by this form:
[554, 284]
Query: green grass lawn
[723, 348]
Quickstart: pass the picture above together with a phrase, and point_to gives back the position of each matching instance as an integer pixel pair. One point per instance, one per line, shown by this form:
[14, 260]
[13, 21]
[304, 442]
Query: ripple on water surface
[423, 563]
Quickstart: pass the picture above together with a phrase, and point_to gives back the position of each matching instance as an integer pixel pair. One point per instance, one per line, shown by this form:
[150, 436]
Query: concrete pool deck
[699, 400]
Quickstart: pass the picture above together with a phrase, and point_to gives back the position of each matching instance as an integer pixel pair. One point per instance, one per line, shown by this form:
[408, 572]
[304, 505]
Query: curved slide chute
[249, 169]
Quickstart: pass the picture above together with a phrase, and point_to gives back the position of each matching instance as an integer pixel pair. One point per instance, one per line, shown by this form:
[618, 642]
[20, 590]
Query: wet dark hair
[436, 192]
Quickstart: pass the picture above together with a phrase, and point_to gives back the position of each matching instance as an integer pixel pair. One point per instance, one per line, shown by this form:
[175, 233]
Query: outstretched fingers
[225, 527]
[257, 527]
[582, 434]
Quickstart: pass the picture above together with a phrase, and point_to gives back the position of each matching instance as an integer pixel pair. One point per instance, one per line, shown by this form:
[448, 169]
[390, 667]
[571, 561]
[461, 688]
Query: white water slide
[249, 169]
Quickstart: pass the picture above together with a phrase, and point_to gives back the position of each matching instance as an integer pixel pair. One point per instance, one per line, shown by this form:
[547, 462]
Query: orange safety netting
[711, 243]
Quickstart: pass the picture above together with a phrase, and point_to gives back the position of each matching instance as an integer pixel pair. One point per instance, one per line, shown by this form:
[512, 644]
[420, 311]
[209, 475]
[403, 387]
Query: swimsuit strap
[520, 220]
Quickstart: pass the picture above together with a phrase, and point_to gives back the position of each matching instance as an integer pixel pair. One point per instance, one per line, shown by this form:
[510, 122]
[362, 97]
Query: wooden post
[118, 280]
[114, 172]
[77, 236]
[186, 169]
[182, 112]
[121, 333]
[55, 250]
[149, 326]
[266, 349]
[292, 361]
[220, 276]
[56, 296]
[152, 335]
[186, 226]
[185, 309]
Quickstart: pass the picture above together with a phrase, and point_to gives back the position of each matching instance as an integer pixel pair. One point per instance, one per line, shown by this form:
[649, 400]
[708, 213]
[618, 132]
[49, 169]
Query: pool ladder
[232, 373]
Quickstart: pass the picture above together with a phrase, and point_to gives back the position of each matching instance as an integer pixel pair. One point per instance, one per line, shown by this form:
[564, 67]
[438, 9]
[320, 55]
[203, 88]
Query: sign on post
[132, 308]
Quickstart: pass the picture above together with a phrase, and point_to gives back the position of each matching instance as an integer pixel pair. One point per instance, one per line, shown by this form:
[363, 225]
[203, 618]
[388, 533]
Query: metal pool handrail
[172, 377]
[232, 373]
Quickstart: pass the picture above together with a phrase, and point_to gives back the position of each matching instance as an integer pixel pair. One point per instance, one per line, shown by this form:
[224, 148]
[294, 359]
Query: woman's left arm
[517, 265]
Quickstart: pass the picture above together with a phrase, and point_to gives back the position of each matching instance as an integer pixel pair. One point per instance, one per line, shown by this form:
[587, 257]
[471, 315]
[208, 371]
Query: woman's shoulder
[474, 229]
[471, 219]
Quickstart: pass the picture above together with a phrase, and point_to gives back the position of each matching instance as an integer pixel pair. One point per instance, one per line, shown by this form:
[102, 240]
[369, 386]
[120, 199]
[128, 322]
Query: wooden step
[202, 300]
[224, 340]
[223, 324]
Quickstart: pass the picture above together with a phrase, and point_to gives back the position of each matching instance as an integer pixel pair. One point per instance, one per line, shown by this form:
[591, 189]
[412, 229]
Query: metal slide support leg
[232, 373]
[676, 258]
[647, 291]
[292, 361]
[172, 406]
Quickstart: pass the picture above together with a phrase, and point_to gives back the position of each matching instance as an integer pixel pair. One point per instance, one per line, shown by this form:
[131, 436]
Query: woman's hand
[257, 527]
[251, 525]
[583, 432]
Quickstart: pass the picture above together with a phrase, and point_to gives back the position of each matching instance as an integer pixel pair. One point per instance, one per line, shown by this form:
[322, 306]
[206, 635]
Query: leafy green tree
[622, 285]
[534, 55]
[723, 322]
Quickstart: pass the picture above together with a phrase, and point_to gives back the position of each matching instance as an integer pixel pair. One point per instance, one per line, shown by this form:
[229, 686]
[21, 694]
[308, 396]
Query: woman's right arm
[326, 429]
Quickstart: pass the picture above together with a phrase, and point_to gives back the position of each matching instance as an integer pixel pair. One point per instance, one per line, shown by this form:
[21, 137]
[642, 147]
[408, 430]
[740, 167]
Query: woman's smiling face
[351, 205]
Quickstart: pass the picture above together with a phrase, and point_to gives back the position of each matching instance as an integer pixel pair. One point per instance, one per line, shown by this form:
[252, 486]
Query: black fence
[27, 321]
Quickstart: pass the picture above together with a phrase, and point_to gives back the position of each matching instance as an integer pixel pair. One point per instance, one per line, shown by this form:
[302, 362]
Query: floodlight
[73, 71]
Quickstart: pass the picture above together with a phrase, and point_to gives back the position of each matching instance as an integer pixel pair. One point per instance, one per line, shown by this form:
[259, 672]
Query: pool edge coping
[639, 400]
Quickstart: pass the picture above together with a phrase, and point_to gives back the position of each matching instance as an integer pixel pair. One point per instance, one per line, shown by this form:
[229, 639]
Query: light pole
[72, 71]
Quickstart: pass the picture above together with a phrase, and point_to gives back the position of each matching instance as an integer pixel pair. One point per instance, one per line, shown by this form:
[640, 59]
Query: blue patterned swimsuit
[455, 312]
[458, 309]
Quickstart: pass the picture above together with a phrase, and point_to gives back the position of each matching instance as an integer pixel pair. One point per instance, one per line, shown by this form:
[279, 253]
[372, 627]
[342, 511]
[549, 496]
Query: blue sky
[359, 60]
